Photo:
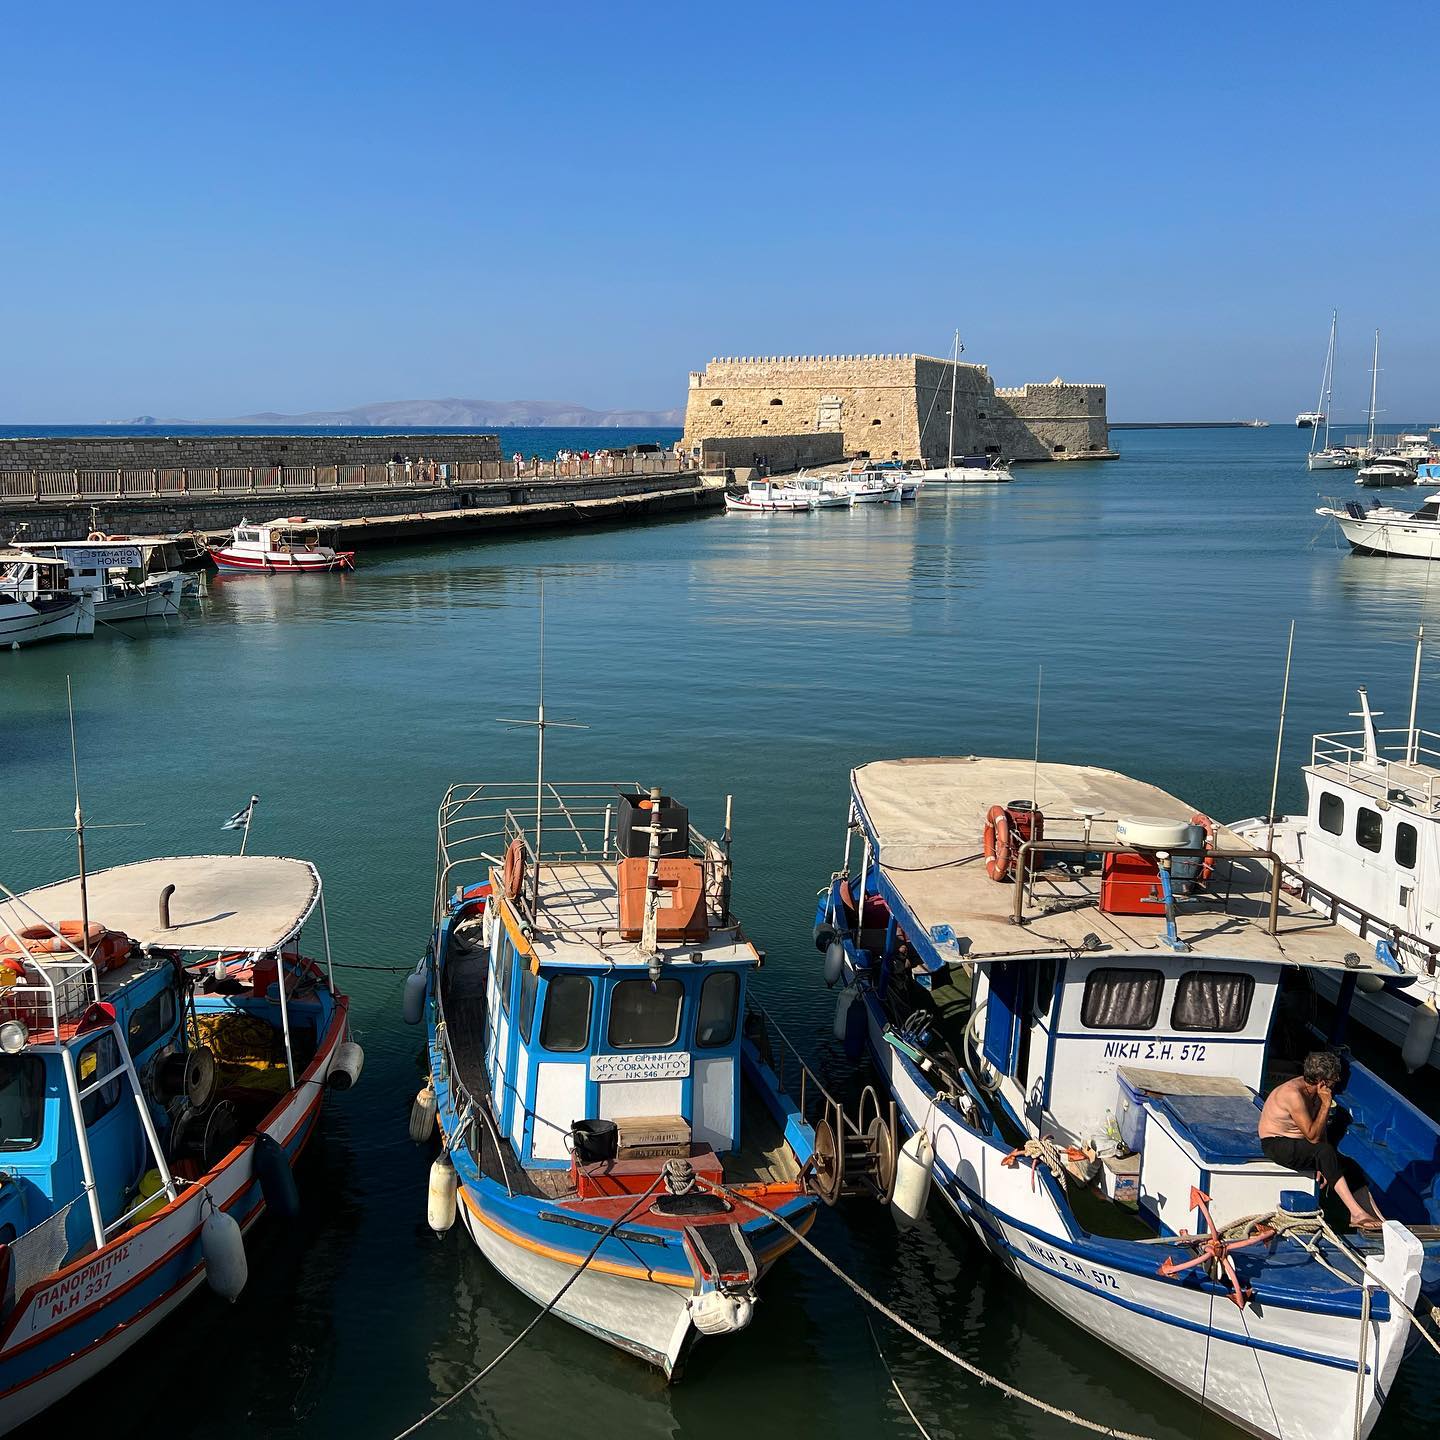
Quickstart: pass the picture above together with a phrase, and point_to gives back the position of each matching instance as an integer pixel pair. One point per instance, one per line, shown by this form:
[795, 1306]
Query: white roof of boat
[221, 902]
[23, 557]
[927, 818]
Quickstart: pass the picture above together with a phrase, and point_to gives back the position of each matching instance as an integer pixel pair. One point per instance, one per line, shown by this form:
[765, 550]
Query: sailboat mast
[954, 373]
[1374, 381]
[1330, 374]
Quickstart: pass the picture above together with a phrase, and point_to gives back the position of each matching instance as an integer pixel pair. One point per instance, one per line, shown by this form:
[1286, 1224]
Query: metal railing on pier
[39, 486]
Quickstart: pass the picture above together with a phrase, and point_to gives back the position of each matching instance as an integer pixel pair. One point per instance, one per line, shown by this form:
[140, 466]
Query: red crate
[1130, 885]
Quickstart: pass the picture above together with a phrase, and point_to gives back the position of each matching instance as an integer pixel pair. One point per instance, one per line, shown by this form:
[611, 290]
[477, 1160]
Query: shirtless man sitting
[1292, 1131]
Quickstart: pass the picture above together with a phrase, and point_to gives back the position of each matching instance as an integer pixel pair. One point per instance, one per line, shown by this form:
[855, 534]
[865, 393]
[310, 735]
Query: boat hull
[1391, 537]
[67, 1327]
[277, 562]
[34, 623]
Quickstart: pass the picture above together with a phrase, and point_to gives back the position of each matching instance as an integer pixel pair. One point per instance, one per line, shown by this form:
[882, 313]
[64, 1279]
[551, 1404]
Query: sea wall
[100, 452]
[778, 453]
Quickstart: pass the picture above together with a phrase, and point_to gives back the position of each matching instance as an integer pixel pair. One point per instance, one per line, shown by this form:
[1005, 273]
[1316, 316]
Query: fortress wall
[1053, 421]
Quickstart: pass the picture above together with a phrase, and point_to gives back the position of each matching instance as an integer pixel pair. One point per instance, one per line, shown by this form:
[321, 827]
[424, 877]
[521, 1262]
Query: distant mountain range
[476, 414]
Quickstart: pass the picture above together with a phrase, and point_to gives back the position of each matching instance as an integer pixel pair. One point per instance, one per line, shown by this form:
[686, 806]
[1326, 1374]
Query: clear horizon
[222, 213]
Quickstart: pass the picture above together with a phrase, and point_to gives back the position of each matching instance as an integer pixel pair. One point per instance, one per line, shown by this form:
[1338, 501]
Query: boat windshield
[1430, 510]
[22, 1101]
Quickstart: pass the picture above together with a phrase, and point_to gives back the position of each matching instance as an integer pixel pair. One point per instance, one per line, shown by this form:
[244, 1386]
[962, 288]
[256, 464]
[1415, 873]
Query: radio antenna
[1412, 753]
[1035, 779]
[1280, 741]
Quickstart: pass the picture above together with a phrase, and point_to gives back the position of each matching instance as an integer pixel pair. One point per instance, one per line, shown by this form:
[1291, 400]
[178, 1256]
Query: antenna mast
[79, 822]
[1280, 740]
[1413, 751]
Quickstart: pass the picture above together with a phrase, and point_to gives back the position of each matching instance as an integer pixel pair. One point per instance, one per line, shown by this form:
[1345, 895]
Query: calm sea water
[757, 655]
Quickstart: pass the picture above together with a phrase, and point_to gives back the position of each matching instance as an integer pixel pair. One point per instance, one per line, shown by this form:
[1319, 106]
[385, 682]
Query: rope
[1360, 1360]
[899, 1320]
[388, 969]
[890, 1375]
[475, 1379]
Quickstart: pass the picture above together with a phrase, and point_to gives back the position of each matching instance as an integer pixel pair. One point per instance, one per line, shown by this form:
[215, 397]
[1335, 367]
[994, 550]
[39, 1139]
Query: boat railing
[45, 989]
[1368, 926]
[813, 1098]
[1403, 760]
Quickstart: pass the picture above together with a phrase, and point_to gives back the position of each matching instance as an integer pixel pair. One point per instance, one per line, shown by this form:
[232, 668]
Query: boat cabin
[116, 565]
[601, 993]
[27, 576]
[1095, 964]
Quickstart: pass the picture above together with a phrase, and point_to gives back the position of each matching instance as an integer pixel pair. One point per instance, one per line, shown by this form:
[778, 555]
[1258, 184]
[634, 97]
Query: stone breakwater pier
[372, 489]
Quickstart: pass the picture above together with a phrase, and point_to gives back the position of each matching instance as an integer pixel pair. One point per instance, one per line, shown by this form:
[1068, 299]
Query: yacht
[1386, 469]
[1077, 1003]
[1309, 419]
[1323, 455]
[36, 603]
[1388, 530]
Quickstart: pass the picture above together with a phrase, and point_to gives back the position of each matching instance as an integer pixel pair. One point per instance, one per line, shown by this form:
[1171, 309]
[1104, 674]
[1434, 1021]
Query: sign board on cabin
[104, 557]
[641, 1065]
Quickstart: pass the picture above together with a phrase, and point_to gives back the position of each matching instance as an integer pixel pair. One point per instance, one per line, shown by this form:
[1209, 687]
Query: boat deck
[927, 817]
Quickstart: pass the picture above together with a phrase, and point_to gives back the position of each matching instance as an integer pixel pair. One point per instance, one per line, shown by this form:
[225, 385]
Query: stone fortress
[811, 409]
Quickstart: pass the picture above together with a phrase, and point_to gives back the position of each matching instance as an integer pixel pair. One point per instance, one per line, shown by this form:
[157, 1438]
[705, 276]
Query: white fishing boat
[1388, 530]
[812, 488]
[1323, 455]
[767, 496]
[35, 603]
[291, 544]
[130, 578]
[1366, 853]
[1075, 1002]
[866, 484]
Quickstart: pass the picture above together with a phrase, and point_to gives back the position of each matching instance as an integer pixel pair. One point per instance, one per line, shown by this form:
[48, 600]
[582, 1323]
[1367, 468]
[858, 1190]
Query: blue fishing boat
[163, 1058]
[616, 1139]
[1079, 1002]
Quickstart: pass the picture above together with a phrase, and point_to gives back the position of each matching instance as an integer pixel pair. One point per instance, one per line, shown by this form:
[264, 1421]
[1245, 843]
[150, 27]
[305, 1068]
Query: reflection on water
[761, 655]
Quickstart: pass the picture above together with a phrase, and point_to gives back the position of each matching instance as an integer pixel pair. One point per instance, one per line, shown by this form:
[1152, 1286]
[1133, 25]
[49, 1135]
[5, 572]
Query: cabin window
[1213, 1000]
[1332, 813]
[507, 981]
[529, 984]
[1405, 838]
[719, 1001]
[22, 1101]
[1369, 828]
[1046, 972]
[566, 1026]
[1122, 999]
[98, 1058]
[154, 1019]
[250, 537]
[645, 1016]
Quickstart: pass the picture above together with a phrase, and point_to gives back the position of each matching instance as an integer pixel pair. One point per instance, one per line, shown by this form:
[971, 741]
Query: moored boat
[291, 544]
[130, 578]
[36, 602]
[1387, 530]
[767, 495]
[616, 1140]
[163, 1058]
[1076, 1001]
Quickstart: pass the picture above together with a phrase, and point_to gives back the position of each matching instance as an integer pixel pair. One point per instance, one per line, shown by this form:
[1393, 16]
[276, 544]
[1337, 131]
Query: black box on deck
[632, 836]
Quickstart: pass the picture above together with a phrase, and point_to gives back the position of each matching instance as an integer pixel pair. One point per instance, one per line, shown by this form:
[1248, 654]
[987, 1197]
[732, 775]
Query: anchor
[1215, 1251]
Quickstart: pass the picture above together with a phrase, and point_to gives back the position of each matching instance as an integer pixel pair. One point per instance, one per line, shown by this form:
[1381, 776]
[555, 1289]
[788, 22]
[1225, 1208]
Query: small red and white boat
[289, 544]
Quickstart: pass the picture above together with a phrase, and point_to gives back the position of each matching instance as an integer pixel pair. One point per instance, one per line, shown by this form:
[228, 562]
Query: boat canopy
[925, 819]
[220, 902]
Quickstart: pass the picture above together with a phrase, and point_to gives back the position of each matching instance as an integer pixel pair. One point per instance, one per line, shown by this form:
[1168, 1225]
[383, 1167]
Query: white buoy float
[912, 1179]
[843, 1001]
[834, 961]
[422, 1114]
[412, 1005]
[716, 1313]
[1420, 1037]
[444, 1187]
[223, 1246]
[345, 1068]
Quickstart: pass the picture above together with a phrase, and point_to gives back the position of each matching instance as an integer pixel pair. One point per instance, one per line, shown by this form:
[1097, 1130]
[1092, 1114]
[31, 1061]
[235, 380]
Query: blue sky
[211, 210]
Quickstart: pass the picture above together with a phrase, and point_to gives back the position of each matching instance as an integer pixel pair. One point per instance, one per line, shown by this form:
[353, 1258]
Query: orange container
[681, 912]
[1130, 885]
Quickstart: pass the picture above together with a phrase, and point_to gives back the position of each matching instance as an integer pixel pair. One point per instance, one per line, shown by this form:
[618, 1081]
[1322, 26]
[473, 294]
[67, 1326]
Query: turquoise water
[760, 655]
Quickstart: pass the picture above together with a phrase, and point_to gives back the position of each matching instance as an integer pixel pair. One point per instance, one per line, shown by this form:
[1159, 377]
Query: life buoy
[97, 535]
[1207, 864]
[514, 868]
[43, 939]
[997, 843]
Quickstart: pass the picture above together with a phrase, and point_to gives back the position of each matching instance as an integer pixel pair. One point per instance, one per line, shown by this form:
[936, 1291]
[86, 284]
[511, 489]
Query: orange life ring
[1207, 863]
[43, 940]
[97, 535]
[514, 868]
[997, 843]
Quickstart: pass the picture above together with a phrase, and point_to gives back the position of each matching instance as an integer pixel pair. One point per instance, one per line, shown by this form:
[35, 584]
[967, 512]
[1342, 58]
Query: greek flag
[240, 820]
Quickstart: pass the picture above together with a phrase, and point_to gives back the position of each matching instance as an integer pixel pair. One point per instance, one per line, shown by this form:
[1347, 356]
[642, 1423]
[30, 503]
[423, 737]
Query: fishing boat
[36, 603]
[767, 495]
[865, 484]
[139, 578]
[278, 546]
[1360, 854]
[1388, 530]
[814, 489]
[617, 1141]
[1077, 1001]
[1323, 455]
[165, 1045]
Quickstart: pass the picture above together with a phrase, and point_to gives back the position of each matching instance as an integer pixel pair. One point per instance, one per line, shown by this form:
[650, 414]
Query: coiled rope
[970, 1368]
[475, 1379]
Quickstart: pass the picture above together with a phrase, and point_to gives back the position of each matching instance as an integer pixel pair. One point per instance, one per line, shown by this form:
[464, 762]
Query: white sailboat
[1381, 467]
[967, 469]
[1327, 456]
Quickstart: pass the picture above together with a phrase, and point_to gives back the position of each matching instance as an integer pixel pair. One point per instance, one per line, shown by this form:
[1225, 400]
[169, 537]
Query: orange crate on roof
[681, 910]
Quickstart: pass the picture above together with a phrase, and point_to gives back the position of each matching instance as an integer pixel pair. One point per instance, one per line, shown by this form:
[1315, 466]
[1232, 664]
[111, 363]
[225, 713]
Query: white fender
[834, 961]
[843, 1001]
[223, 1246]
[487, 924]
[716, 1313]
[1369, 983]
[912, 1179]
[444, 1187]
[345, 1068]
[412, 1005]
[422, 1114]
[1420, 1037]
